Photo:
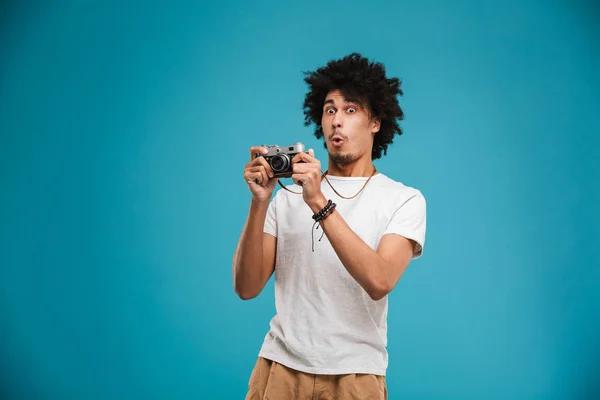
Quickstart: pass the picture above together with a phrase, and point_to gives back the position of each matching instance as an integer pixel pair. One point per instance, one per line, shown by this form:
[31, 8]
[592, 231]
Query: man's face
[347, 128]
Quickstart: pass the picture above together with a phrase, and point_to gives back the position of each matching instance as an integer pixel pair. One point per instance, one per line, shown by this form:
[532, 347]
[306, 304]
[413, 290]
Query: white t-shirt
[325, 322]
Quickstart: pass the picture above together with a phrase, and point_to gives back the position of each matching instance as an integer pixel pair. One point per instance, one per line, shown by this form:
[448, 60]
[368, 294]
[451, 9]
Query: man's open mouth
[337, 140]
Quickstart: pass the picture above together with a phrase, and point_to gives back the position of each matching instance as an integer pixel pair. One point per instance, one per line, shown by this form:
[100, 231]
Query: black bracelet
[318, 216]
[328, 212]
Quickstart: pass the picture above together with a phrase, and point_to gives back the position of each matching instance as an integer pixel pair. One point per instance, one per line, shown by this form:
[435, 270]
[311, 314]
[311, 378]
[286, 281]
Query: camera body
[280, 158]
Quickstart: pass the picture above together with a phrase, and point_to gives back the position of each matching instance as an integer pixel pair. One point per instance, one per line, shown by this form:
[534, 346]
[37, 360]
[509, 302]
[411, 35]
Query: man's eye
[330, 111]
[351, 109]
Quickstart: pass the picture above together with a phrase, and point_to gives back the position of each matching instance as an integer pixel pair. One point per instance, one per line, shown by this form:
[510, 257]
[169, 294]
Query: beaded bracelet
[319, 216]
[323, 212]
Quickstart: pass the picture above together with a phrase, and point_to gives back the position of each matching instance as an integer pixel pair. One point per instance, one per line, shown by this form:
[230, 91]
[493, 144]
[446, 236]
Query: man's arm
[254, 259]
[377, 272]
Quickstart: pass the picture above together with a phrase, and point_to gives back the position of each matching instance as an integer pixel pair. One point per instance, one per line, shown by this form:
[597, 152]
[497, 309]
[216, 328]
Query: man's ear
[375, 125]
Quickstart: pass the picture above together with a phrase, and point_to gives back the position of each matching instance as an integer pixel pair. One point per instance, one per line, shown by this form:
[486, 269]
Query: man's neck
[356, 169]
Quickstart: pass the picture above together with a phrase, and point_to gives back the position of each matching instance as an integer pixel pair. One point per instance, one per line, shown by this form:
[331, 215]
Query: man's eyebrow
[330, 101]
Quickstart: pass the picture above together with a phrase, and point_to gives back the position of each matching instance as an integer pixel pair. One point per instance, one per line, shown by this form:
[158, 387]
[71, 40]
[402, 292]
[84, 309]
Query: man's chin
[341, 158]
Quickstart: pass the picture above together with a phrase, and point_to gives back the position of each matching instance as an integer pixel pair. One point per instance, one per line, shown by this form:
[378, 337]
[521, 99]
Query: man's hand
[307, 173]
[259, 175]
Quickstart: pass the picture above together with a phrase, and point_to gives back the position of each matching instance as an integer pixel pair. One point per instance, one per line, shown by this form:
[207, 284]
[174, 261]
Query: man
[328, 338]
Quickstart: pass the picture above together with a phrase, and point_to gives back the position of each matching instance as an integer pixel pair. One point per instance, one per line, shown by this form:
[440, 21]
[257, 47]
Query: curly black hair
[356, 76]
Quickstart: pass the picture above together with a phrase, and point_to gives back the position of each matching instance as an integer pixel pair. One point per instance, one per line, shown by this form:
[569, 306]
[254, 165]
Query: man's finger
[303, 157]
[254, 150]
[251, 177]
[264, 175]
[262, 171]
[298, 179]
[301, 168]
[263, 162]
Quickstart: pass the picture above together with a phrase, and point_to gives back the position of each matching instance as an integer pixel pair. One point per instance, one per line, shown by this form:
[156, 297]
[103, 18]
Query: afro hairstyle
[356, 76]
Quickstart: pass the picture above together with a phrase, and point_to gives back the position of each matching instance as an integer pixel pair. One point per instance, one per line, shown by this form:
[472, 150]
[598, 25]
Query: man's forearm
[248, 271]
[363, 263]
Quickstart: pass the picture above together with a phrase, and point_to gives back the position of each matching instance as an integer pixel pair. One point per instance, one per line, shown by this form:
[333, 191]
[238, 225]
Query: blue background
[124, 132]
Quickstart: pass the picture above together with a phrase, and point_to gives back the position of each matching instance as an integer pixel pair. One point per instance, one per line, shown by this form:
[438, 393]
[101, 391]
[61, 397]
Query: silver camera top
[274, 149]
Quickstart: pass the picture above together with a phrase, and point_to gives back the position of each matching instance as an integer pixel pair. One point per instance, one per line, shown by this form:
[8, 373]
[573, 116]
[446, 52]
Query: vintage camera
[280, 158]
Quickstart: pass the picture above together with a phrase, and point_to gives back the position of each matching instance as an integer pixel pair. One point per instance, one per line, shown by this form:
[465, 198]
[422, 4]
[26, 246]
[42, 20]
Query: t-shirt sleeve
[409, 220]
[271, 219]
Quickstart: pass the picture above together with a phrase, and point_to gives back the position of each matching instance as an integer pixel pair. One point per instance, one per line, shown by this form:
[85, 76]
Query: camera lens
[280, 162]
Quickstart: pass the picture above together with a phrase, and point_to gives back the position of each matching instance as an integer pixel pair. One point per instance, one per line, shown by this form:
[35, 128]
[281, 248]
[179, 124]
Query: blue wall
[124, 131]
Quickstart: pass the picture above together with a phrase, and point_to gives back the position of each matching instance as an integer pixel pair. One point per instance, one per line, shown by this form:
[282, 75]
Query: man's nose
[337, 120]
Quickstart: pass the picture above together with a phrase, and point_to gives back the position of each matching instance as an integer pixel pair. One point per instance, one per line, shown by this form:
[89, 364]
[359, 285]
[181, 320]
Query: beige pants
[273, 381]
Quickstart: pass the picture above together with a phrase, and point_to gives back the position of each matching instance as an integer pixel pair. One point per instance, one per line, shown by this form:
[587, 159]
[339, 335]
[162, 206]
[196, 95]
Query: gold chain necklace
[336, 192]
